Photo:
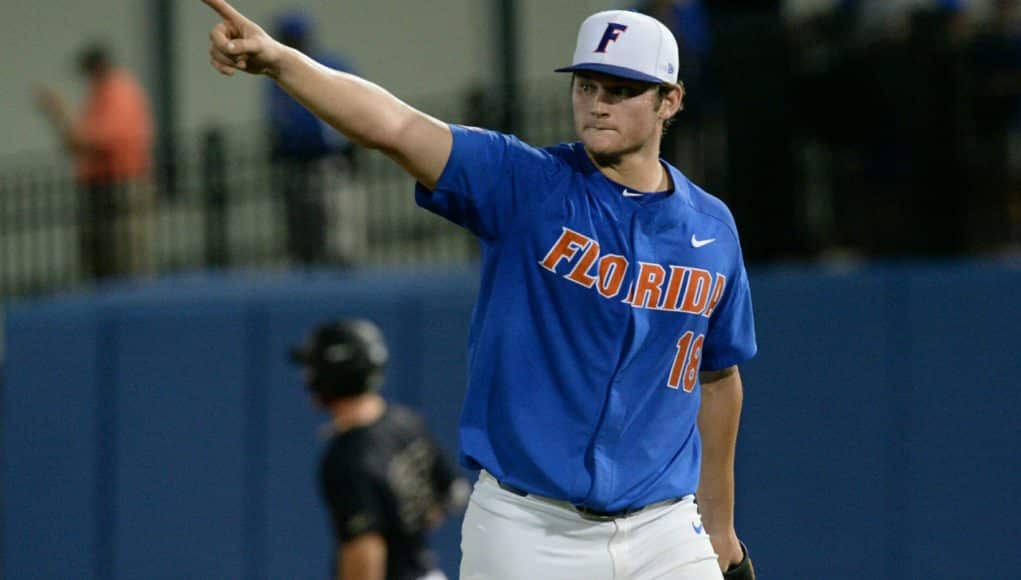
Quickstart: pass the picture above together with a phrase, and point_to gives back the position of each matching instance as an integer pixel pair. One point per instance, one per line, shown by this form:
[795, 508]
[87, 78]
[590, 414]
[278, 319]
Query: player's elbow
[716, 377]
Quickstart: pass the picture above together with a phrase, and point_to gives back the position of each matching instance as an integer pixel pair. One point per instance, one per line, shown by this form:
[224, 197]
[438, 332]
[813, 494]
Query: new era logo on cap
[626, 44]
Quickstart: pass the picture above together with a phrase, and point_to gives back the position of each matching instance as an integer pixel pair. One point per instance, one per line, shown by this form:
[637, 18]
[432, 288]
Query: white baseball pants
[509, 537]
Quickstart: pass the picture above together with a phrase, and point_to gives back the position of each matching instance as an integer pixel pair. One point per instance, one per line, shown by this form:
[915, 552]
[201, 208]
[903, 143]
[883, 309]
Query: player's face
[615, 116]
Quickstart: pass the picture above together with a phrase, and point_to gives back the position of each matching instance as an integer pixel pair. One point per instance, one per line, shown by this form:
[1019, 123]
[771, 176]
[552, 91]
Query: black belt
[593, 513]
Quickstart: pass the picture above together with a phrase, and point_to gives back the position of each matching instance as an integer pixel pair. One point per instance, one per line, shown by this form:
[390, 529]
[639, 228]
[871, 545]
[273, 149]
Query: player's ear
[671, 100]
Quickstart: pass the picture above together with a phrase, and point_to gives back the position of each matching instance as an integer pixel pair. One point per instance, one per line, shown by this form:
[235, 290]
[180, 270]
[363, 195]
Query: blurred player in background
[613, 310]
[384, 480]
[111, 144]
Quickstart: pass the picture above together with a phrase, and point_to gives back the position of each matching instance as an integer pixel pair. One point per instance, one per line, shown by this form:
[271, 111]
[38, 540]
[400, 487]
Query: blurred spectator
[481, 108]
[750, 57]
[111, 144]
[687, 19]
[820, 36]
[938, 212]
[890, 103]
[995, 60]
[312, 163]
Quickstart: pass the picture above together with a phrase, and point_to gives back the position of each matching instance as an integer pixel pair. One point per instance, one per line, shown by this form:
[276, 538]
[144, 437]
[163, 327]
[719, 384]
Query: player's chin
[602, 143]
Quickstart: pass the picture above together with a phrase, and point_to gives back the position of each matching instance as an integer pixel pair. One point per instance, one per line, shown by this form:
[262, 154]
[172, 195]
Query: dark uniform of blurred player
[384, 480]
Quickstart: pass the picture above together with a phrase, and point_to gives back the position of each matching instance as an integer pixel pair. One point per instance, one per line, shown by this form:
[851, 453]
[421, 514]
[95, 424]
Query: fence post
[214, 182]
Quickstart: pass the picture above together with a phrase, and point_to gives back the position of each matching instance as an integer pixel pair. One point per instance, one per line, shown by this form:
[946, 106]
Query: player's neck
[359, 411]
[640, 170]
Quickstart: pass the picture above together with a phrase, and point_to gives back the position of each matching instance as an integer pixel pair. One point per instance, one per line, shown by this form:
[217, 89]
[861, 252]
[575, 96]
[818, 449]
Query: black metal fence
[227, 206]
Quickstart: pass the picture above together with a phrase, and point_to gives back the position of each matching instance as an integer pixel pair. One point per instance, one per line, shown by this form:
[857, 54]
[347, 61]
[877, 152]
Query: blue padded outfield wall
[159, 432]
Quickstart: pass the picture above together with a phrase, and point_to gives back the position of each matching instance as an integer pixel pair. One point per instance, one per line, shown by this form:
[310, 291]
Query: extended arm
[718, 421]
[54, 108]
[363, 111]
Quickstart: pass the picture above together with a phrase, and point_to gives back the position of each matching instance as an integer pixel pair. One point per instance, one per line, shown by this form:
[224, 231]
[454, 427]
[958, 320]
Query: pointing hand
[237, 43]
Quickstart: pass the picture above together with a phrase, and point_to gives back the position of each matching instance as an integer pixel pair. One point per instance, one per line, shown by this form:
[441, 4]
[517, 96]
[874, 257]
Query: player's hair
[663, 91]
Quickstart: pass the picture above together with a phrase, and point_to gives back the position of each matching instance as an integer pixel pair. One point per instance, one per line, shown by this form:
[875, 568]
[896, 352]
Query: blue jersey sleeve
[731, 335]
[489, 181]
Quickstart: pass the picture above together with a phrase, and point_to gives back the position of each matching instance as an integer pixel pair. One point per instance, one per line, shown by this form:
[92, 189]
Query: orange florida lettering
[576, 258]
[611, 274]
[650, 285]
[565, 249]
[579, 273]
[696, 293]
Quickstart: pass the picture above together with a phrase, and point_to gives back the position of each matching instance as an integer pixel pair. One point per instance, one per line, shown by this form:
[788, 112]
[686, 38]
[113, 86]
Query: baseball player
[613, 310]
[384, 480]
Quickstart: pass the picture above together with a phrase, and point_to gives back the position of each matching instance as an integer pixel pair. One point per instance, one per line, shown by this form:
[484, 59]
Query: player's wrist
[742, 570]
[279, 59]
[727, 547]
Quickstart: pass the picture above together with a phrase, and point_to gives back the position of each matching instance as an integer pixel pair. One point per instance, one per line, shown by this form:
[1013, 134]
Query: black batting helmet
[344, 358]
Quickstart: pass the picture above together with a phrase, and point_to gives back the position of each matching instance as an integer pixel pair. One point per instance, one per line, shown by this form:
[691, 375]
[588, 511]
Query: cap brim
[617, 71]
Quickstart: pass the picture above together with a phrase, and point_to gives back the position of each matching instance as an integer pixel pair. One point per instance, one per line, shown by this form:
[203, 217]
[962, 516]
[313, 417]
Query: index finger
[226, 11]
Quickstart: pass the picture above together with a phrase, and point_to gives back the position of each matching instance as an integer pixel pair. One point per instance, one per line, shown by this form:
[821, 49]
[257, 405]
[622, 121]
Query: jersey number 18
[687, 361]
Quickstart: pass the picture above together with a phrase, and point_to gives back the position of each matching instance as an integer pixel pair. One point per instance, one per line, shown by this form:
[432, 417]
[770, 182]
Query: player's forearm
[718, 421]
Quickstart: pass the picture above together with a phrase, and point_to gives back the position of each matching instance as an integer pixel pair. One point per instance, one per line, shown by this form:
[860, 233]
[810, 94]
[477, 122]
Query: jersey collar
[676, 200]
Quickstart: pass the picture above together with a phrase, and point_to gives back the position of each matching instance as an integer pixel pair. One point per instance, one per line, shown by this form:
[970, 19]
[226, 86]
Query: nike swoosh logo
[631, 194]
[698, 529]
[697, 243]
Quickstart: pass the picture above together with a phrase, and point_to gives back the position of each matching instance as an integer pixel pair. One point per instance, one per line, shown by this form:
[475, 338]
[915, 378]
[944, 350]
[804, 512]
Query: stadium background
[152, 429]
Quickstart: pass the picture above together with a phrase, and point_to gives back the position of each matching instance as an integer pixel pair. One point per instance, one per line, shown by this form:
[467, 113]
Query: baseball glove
[743, 570]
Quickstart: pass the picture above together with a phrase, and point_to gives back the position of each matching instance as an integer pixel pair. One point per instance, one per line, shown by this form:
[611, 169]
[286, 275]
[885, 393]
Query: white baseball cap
[626, 44]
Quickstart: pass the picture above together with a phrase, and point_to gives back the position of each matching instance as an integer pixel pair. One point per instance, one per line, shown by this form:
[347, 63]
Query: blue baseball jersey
[597, 307]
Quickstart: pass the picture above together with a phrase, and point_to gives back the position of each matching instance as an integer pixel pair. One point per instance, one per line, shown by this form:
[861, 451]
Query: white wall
[414, 48]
